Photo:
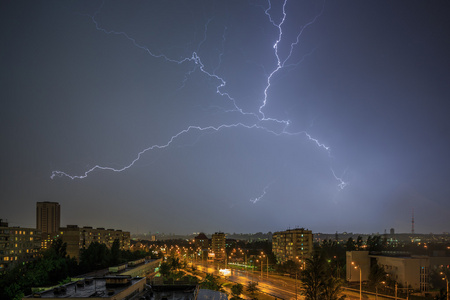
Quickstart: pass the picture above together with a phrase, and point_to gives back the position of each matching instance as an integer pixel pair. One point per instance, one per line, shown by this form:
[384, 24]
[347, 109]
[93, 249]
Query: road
[275, 286]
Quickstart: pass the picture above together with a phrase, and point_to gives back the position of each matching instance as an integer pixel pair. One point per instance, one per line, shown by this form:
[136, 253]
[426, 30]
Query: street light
[360, 279]
[445, 278]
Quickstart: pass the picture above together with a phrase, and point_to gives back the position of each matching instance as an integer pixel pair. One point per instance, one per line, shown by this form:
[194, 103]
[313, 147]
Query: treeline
[55, 267]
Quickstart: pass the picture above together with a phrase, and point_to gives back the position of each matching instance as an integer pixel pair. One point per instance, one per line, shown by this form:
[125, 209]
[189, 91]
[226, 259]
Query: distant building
[17, 245]
[218, 245]
[201, 241]
[392, 231]
[78, 238]
[230, 244]
[48, 217]
[293, 244]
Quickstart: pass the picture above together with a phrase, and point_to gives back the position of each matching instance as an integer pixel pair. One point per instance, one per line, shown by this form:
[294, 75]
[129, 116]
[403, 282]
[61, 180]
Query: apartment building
[48, 217]
[78, 238]
[292, 244]
[17, 245]
[218, 244]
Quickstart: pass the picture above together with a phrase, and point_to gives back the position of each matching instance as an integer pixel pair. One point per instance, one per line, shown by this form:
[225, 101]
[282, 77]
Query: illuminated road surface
[275, 287]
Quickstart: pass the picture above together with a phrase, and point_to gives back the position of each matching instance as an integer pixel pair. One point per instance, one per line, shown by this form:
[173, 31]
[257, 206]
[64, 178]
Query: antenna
[412, 222]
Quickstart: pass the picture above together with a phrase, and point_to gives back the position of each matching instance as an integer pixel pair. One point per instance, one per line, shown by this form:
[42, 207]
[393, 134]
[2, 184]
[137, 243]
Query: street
[276, 286]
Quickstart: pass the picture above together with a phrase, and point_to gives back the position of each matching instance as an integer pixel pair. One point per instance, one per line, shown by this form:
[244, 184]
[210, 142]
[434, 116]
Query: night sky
[349, 132]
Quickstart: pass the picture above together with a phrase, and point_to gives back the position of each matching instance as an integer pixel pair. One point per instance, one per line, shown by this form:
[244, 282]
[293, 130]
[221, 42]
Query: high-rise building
[293, 244]
[17, 245]
[47, 217]
[218, 244]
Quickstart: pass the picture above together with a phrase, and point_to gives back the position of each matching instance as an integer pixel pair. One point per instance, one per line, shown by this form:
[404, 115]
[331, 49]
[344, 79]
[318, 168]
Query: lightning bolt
[197, 64]
[254, 200]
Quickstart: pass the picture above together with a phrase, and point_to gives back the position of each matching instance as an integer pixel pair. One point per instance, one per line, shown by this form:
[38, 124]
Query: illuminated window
[31, 232]
[6, 258]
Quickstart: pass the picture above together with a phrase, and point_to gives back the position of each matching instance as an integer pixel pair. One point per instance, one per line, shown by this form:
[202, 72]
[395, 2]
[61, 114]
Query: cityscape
[259, 149]
[275, 264]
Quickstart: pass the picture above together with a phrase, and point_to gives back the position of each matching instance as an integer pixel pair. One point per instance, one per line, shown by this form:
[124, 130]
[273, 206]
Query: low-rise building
[408, 270]
[109, 287]
[18, 245]
[292, 244]
[78, 238]
[201, 241]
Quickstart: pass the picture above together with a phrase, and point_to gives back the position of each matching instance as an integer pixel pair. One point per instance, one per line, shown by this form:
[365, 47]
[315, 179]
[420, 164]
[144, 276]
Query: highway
[283, 288]
[275, 285]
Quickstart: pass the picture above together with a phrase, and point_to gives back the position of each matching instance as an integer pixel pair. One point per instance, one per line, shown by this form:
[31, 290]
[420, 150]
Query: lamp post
[360, 280]
[261, 268]
[445, 278]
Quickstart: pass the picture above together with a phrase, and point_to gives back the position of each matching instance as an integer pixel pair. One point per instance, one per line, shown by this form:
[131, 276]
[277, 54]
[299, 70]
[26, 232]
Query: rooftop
[105, 287]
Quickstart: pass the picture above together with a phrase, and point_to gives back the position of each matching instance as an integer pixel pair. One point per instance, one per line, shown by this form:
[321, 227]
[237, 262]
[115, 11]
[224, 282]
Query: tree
[95, 257]
[374, 243]
[290, 267]
[252, 288]
[165, 269]
[116, 255]
[236, 291]
[359, 242]
[57, 249]
[377, 275]
[332, 289]
[313, 278]
[350, 245]
[211, 282]
[318, 281]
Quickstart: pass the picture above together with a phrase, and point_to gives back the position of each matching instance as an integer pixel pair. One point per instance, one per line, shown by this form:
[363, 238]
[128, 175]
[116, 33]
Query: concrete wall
[360, 260]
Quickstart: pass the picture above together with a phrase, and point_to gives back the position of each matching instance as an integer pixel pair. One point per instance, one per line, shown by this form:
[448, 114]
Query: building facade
[218, 244]
[293, 244]
[201, 241]
[48, 217]
[18, 245]
[78, 238]
[408, 270]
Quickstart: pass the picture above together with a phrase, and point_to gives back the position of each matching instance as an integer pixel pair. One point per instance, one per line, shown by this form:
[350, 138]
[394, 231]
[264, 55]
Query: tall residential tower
[47, 217]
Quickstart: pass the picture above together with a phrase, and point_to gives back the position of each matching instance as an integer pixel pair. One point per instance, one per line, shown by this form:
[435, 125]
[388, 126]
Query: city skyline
[226, 116]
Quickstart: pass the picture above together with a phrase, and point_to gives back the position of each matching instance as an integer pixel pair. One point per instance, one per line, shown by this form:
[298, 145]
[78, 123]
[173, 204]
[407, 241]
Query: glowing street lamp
[360, 279]
[446, 279]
